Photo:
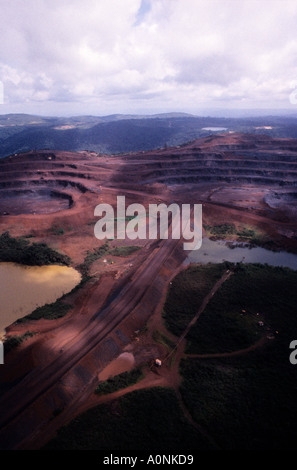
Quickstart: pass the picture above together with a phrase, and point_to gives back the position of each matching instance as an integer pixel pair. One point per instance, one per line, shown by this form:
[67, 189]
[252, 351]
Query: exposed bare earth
[52, 195]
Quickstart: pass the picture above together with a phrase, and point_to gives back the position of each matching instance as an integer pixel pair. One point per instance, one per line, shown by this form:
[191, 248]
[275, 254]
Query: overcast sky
[63, 57]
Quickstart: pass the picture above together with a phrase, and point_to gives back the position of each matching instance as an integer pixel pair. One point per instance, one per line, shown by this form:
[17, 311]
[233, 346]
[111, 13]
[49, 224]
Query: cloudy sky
[63, 57]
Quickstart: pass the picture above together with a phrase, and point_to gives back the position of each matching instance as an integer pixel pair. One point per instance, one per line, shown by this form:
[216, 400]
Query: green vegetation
[228, 323]
[246, 402]
[14, 341]
[186, 294]
[223, 331]
[221, 230]
[254, 237]
[148, 420]
[123, 250]
[51, 311]
[231, 319]
[29, 235]
[59, 230]
[20, 251]
[244, 233]
[160, 338]
[56, 230]
[254, 288]
[119, 381]
[91, 257]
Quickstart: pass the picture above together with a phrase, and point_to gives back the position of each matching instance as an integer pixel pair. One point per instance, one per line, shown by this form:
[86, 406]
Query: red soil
[57, 369]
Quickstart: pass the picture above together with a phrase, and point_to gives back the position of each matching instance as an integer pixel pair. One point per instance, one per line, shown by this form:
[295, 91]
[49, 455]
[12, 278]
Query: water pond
[219, 251]
[24, 288]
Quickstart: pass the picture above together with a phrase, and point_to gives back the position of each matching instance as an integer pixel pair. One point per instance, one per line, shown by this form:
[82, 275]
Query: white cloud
[146, 55]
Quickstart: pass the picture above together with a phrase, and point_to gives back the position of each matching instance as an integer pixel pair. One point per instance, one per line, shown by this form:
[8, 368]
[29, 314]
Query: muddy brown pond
[24, 288]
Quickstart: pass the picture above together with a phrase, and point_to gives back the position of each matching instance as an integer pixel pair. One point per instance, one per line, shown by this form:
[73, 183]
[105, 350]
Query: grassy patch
[123, 250]
[221, 230]
[56, 230]
[246, 234]
[119, 381]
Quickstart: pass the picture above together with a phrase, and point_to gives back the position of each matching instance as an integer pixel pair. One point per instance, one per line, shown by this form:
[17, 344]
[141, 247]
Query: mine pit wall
[245, 166]
[44, 182]
[28, 156]
[179, 178]
[42, 192]
[19, 174]
[41, 224]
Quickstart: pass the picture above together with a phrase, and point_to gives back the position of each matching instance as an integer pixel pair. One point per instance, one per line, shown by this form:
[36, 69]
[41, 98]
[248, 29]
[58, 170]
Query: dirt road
[206, 299]
[17, 403]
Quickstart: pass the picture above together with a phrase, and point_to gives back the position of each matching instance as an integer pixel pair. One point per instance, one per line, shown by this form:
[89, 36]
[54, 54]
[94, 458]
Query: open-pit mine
[241, 180]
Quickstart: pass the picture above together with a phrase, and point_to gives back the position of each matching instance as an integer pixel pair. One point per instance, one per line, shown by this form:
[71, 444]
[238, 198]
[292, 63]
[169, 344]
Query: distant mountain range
[121, 133]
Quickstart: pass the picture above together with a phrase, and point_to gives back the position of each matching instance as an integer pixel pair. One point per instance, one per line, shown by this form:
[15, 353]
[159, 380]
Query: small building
[158, 362]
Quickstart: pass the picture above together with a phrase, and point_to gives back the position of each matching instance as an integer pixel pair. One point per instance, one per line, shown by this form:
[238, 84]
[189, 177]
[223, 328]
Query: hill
[126, 133]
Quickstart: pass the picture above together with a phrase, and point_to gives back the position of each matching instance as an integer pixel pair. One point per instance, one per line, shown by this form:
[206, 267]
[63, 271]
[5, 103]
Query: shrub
[19, 250]
[119, 381]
